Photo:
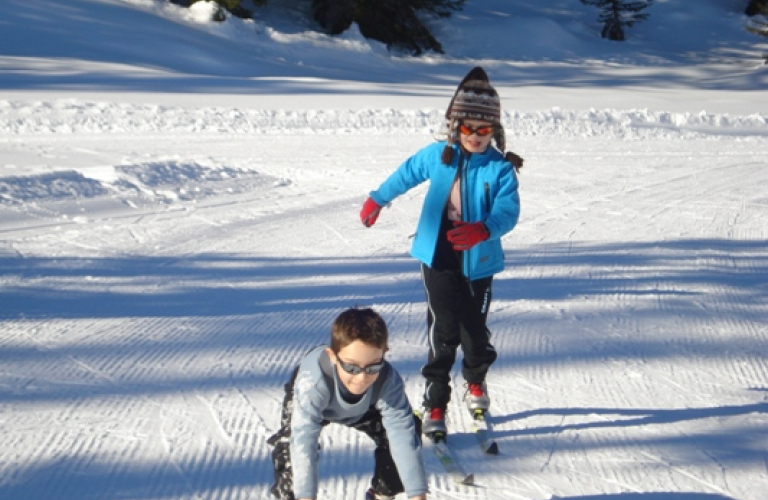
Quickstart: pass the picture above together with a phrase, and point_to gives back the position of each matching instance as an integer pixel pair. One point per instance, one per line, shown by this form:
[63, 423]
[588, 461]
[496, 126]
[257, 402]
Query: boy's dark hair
[364, 325]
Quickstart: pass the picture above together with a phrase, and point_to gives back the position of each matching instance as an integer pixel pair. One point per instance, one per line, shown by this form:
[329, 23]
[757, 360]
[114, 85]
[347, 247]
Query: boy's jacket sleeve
[309, 399]
[405, 444]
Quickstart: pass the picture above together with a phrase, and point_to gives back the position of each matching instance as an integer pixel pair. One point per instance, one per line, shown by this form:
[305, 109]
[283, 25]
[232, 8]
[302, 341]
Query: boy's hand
[370, 212]
[465, 235]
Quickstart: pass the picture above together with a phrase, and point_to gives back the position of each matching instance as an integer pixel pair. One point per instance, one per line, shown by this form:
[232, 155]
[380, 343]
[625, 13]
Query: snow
[179, 223]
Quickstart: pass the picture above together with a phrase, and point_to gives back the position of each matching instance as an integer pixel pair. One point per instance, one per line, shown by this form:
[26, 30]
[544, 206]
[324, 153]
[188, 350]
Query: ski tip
[469, 480]
[493, 449]
[437, 437]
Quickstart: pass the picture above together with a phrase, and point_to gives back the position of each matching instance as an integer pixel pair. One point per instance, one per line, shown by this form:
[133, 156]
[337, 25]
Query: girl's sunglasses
[357, 370]
[481, 131]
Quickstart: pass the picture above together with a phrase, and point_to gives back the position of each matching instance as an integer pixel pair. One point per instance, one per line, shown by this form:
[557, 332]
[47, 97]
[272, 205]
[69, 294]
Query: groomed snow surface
[167, 257]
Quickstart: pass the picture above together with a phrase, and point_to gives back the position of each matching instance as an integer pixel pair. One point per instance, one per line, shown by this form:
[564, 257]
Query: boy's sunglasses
[481, 131]
[357, 370]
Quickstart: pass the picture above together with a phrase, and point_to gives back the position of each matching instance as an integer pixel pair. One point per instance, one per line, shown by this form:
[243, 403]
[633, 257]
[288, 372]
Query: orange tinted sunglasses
[480, 131]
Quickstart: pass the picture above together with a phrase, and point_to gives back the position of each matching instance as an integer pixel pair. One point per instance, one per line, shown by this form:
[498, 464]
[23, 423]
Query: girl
[471, 203]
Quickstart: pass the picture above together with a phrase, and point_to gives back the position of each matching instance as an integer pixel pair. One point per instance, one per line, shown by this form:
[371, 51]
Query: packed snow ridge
[74, 116]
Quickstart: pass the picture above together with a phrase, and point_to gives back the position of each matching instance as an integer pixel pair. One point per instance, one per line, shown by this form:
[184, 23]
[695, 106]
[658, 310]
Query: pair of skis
[447, 458]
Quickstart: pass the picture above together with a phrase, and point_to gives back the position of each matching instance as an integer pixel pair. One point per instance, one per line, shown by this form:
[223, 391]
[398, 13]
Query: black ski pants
[457, 311]
[386, 480]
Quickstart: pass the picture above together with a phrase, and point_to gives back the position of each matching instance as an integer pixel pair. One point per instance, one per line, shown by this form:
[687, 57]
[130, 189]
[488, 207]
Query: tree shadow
[643, 265]
[735, 444]
[656, 495]
[221, 284]
[651, 416]
[202, 285]
[226, 303]
[231, 309]
[85, 477]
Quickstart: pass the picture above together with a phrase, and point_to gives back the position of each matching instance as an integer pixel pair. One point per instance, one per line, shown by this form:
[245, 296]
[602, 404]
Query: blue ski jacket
[488, 194]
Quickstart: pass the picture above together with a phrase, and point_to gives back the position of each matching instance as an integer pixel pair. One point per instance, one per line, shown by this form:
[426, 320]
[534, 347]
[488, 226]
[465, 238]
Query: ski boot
[476, 399]
[433, 423]
[372, 495]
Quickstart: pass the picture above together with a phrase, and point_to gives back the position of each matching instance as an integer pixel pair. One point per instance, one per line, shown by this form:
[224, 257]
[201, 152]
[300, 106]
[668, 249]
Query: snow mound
[164, 182]
[55, 185]
[73, 116]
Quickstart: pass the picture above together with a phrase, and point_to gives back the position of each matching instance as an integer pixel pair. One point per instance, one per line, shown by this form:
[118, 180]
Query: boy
[349, 383]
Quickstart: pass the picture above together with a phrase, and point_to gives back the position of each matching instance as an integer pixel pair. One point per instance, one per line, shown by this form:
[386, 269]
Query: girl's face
[471, 138]
[354, 357]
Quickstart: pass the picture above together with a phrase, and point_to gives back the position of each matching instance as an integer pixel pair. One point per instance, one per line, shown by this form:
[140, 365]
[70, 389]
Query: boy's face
[362, 355]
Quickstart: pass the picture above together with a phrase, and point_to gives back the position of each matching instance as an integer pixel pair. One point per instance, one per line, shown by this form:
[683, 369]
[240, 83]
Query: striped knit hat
[475, 99]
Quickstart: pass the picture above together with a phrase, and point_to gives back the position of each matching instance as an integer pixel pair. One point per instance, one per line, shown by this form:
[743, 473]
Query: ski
[483, 432]
[447, 458]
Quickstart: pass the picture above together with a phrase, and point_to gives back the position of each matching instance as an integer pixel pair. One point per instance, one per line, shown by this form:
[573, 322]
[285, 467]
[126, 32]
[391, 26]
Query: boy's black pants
[386, 479]
[457, 311]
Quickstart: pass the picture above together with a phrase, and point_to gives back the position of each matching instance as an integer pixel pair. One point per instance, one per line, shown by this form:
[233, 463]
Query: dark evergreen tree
[616, 14]
[757, 7]
[759, 24]
[440, 8]
[335, 16]
[393, 22]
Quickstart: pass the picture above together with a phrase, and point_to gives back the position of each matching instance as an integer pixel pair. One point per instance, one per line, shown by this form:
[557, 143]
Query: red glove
[465, 235]
[370, 212]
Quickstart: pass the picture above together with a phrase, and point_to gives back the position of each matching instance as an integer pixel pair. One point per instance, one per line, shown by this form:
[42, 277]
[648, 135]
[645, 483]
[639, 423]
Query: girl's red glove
[370, 212]
[465, 235]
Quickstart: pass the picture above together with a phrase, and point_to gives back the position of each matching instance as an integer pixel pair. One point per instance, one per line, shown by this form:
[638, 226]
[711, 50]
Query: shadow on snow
[90, 478]
[657, 495]
[220, 285]
[208, 308]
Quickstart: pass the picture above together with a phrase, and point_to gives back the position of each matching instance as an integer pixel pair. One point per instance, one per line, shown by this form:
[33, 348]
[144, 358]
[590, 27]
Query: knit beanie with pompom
[476, 99]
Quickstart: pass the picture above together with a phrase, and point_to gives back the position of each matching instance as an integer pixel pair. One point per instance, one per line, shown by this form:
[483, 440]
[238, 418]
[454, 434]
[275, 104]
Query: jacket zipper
[465, 210]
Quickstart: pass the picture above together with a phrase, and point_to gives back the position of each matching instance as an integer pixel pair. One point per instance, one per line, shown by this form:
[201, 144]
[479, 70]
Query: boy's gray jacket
[314, 401]
[488, 194]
